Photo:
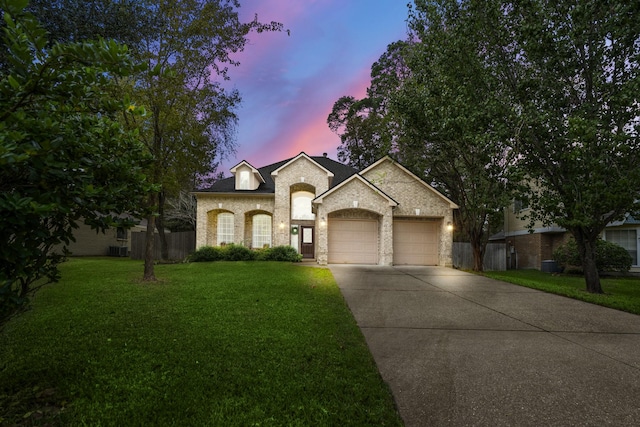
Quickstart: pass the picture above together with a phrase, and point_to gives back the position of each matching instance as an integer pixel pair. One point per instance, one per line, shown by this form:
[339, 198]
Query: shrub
[609, 256]
[206, 253]
[282, 253]
[237, 253]
[241, 253]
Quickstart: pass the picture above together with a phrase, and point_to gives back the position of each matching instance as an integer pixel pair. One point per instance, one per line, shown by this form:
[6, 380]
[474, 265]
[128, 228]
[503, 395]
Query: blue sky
[289, 82]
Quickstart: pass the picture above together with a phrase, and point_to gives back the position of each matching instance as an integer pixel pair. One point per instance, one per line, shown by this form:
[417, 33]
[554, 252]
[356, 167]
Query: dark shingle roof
[227, 185]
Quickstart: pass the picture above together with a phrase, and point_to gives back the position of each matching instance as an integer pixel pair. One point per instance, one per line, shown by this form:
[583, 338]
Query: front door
[307, 243]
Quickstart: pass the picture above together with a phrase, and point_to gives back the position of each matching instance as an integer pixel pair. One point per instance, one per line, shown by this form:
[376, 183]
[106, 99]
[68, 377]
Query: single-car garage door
[415, 242]
[353, 241]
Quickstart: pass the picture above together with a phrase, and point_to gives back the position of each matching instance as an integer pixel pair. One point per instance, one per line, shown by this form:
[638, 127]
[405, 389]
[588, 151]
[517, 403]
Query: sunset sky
[289, 83]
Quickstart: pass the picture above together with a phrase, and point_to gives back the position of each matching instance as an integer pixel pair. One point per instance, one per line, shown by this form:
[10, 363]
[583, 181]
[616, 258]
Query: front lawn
[622, 293]
[212, 344]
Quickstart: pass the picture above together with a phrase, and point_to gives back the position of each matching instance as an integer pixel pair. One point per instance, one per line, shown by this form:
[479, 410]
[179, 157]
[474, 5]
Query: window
[261, 231]
[301, 205]
[121, 233]
[520, 205]
[245, 178]
[628, 239]
[225, 228]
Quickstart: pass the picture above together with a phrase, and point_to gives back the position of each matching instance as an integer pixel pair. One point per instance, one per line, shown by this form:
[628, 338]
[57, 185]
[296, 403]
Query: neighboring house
[115, 241]
[329, 212]
[527, 249]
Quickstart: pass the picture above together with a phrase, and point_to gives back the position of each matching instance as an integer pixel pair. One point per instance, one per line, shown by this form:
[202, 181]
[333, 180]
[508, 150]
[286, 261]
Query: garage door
[353, 241]
[415, 242]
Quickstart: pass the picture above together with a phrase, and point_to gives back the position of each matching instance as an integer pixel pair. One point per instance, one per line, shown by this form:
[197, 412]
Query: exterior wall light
[355, 203]
[219, 205]
[417, 211]
[281, 225]
[449, 226]
[258, 206]
[323, 222]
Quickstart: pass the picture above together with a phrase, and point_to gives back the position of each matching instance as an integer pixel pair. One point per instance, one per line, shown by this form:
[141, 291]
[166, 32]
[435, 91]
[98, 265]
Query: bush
[281, 253]
[609, 256]
[206, 253]
[237, 253]
[242, 253]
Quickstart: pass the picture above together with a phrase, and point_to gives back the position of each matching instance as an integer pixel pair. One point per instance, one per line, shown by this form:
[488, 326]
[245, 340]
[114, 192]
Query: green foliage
[64, 156]
[238, 253]
[279, 253]
[242, 253]
[609, 256]
[206, 254]
[225, 344]
[576, 80]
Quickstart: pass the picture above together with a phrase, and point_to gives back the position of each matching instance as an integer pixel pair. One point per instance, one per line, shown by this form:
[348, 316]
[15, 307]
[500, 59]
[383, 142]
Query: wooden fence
[495, 257]
[180, 245]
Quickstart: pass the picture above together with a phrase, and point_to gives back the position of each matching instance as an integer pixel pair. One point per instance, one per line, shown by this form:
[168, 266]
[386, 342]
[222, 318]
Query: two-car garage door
[355, 241]
[415, 242]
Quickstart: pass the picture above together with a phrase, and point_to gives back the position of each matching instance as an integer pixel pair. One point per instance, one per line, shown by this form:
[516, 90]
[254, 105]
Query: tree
[191, 115]
[456, 124]
[577, 91]
[64, 156]
[366, 127]
[443, 110]
[187, 46]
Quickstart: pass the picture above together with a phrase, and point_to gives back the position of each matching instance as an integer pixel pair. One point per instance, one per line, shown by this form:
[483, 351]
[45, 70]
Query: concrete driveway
[460, 349]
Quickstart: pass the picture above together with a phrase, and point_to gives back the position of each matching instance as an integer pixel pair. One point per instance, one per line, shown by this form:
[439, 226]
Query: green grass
[622, 293]
[212, 344]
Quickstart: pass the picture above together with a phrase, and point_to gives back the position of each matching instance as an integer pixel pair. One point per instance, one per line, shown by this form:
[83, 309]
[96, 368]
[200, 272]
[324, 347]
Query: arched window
[261, 231]
[301, 205]
[225, 228]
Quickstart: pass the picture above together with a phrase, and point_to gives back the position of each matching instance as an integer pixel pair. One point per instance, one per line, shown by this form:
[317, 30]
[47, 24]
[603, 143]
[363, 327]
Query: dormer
[247, 177]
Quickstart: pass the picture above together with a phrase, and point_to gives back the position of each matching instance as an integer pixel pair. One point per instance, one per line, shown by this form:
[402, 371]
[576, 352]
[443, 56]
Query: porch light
[449, 226]
[281, 225]
[323, 222]
[355, 203]
[417, 211]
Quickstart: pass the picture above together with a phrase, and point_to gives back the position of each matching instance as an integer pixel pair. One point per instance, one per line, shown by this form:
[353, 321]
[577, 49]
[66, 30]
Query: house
[329, 212]
[114, 241]
[526, 249]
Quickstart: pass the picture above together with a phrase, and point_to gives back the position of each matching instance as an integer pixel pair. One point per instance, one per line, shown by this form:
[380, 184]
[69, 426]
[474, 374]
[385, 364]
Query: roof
[228, 185]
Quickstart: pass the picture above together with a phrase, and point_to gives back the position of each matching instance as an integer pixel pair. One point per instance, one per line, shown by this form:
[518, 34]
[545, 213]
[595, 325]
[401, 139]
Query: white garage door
[415, 242]
[353, 241]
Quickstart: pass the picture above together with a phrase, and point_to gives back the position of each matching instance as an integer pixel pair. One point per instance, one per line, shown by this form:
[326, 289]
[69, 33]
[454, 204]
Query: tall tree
[442, 114]
[366, 127]
[188, 47]
[191, 115]
[578, 64]
[64, 155]
[456, 124]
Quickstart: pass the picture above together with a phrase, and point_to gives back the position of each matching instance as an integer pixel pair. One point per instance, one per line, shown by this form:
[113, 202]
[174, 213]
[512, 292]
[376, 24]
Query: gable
[407, 189]
[354, 189]
[246, 176]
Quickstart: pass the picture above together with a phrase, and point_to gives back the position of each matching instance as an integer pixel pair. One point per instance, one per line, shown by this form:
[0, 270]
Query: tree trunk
[149, 273]
[587, 250]
[164, 247]
[479, 248]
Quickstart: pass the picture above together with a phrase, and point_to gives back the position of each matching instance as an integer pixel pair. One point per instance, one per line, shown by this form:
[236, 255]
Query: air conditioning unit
[119, 251]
